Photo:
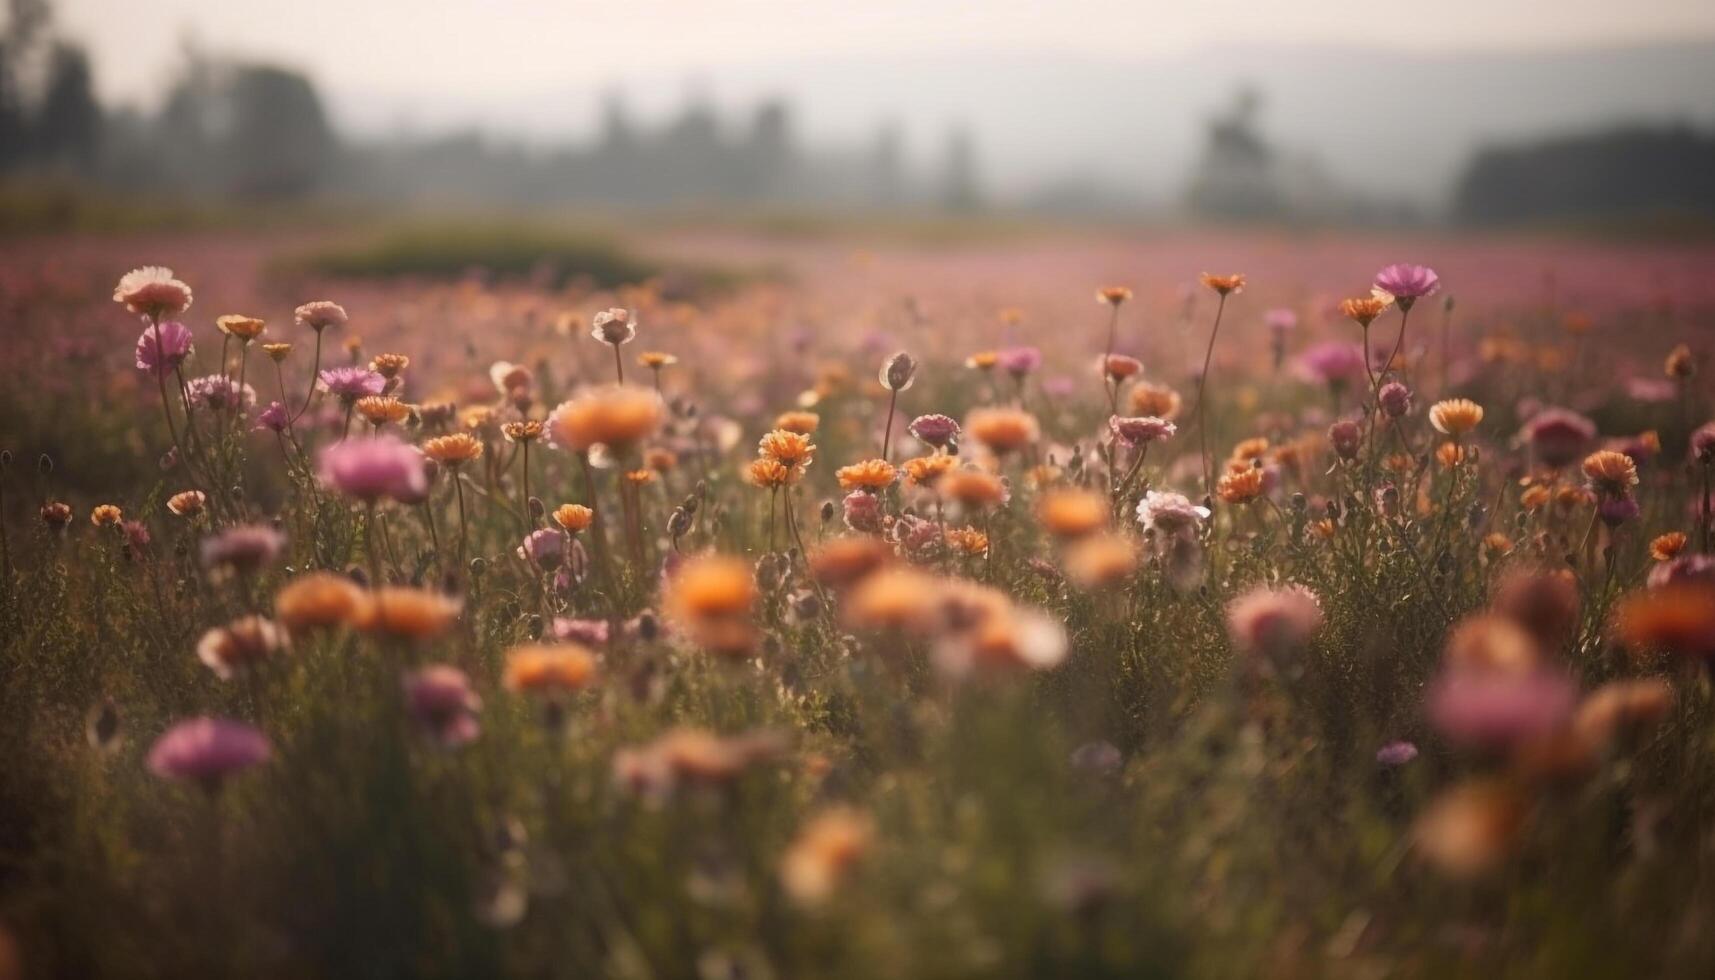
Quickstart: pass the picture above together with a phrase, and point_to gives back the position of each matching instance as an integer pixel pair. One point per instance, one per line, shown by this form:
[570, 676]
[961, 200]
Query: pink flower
[207, 750]
[218, 393]
[1019, 361]
[352, 383]
[1395, 399]
[1169, 513]
[1703, 443]
[162, 348]
[1346, 436]
[152, 292]
[244, 548]
[590, 632]
[1395, 754]
[1141, 429]
[863, 511]
[1405, 284]
[370, 469]
[1274, 621]
[543, 548]
[440, 699]
[1280, 320]
[320, 315]
[1332, 363]
[1497, 710]
[1558, 437]
[935, 430]
[273, 418]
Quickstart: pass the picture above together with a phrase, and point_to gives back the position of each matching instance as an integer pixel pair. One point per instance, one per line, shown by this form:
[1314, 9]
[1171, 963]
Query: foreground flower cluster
[871, 665]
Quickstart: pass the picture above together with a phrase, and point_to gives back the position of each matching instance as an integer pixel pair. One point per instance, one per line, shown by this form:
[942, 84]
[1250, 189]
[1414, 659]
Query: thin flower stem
[887, 433]
[315, 372]
[618, 364]
[1202, 417]
[458, 489]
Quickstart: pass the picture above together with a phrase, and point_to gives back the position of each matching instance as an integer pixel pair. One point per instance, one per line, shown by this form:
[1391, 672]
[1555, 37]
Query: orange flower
[896, 600]
[1449, 454]
[1455, 416]
[1157, 400]
[1677, 618]
[454, 450]
[1491, 643]
[320, 600]
[802, 423]
[1072, 513]
[983, 360]
[656, 360]
[524, 430]
[1680, 365]
[187, 504]
[924, 471]
[1668, 546]
[573, 517]
[712, 596]
[1225, 285]
[873, 475]
[409, 614]
[824, 853]
[616, 416]
[1471, 828]
[245, 328]
[1240, 487]
[1113, 295]
[1101, 561]
[389, 365]
[1611, 472]
[1002, 430]
[106, 515]
[1497, 544]
[551, 669]
[379, 410]
[973, 488]
[968, 541]
[769, 474]
[790, 449]
[844, 561]
[276, 352]
[1362, 310]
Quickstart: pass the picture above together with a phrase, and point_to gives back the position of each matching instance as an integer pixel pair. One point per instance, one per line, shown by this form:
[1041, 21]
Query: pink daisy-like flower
[207, 751]
[351, 383]
[274, 418]
[1497, 709]
[441, 700]
[1141, 429]
[863, 511]
[1019, 361]
[1558, 437]
[218, 393]
[1395, 754]
[152, 291]
[1273, 621]
[589, 632]
[935, 430]
[1332, 362]
[320, 315]
[1405, 284]
[371, 469]
[1168, 513]
[243, 548]
[162, 348]
[544, 548]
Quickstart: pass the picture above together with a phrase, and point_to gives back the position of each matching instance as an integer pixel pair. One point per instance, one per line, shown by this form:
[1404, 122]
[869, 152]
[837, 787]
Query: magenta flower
[1347, 437]
[1558, 437]
[1685, 568]
[935, 430]
[1703, 443]
[352, 383]
[274, 418]
[207, 750]
[1280, 320]
[1332, 363]
[1498, 710]
[371, 469]
[590, 632]
[1395, 754]
[1406, 283]
[863, 511]
[543, 548]
[162, 349]
[136, 536]
[218, 393]
[1395, 399]
[1019, 361]
[1141, 429]
[441, 700]
[244, 548]
[1272, 622]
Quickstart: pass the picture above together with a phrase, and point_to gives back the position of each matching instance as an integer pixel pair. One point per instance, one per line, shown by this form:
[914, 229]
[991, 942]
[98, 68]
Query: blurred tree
[67, 130]
[1235, 178]
[960, 185]
[1627, 171]
[279, 140]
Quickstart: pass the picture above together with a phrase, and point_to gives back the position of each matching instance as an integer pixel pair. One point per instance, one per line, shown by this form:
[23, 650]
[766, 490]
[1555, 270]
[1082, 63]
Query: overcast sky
[478, 49]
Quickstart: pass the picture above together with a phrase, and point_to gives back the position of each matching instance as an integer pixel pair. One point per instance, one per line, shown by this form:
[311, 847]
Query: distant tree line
[1625, 171]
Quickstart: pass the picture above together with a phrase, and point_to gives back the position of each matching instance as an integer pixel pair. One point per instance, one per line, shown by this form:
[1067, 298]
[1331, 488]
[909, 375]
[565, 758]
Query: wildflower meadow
[1211, 606]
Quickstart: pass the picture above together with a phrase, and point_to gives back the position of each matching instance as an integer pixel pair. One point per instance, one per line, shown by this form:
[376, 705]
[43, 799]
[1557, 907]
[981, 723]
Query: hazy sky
[479, 49]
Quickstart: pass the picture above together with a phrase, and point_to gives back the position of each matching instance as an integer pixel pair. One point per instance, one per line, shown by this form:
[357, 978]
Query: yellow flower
[1455, 416]
[245, 328]
[454, 450]
[573, 517]
[871, 474]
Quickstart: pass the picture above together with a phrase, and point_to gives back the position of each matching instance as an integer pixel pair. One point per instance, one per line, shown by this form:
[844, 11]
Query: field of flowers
[1200, 605]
